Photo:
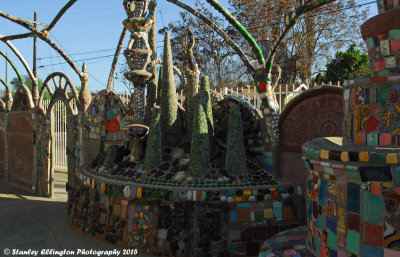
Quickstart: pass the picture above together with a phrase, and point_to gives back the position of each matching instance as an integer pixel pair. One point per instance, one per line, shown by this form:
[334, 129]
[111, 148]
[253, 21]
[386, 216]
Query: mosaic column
[139, 22]
[353, 188]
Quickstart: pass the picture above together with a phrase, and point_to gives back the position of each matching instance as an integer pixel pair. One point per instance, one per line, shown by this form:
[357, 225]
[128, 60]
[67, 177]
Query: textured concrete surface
[36, 223]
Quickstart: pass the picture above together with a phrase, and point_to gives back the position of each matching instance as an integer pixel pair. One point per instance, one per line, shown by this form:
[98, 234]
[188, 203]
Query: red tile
[353, 221]
[372, 234]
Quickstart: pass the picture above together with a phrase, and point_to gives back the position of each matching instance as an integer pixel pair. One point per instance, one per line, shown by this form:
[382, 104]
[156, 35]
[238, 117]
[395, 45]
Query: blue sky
[88, 26]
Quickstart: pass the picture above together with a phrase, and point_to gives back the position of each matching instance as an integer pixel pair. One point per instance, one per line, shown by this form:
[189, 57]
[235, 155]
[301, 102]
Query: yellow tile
[344, 156]
[238, 198]
[324, 154]
[272, 189]
[364, 156]
[268, 214]
[326, 176]
[391, 158]
[247, 192]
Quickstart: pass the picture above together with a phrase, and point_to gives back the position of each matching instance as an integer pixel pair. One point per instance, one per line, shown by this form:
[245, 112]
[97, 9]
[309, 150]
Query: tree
[309, 44]
[29, 83]
[345, 66]
[214, 56]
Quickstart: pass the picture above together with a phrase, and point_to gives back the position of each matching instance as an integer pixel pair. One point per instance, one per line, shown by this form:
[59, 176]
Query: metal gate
[59, 116]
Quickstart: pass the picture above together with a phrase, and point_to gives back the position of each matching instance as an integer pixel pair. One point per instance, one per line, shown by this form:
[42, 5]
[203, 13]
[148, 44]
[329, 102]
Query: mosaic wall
[352, 208]
[387, 5]
[180, 221]
[104, 118]
[384, 53]
[371, 114]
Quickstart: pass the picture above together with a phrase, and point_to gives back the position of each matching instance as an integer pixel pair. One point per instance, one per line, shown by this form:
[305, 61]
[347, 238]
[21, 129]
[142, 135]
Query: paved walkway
[36, 223]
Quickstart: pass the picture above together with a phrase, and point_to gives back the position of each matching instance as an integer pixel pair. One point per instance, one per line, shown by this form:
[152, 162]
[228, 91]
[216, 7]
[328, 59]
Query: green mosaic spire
[235, 162]
[153, 155]
[207, 106]
[169, 104]
[199, 154]
[192, 88]
[159, 85]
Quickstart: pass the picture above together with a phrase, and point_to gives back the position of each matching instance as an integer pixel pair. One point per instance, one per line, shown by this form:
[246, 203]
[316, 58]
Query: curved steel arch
[9, 95]
[13, 66]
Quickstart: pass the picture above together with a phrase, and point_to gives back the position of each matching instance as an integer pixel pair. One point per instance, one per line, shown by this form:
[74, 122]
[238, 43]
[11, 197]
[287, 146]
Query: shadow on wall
[312, 114]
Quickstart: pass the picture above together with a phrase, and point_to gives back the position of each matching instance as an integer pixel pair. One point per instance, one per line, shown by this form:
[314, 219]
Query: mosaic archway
[312, 114]
[60, 88]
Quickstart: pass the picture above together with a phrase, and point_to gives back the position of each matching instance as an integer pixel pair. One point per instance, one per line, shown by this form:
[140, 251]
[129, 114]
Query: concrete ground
[36, 223]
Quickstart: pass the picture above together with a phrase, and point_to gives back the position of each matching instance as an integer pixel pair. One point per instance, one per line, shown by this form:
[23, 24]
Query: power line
[88, 52]
[86, 59]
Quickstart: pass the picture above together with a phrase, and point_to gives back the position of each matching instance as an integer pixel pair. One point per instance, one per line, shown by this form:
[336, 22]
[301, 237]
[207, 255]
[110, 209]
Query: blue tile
[233, 216]
[331, 224]
[332, 253]
[369, 251]
[322, 193]
[233, 247]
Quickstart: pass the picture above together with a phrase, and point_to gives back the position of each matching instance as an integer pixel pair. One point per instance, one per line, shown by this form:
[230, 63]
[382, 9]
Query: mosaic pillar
[139, 22]
[353, 188]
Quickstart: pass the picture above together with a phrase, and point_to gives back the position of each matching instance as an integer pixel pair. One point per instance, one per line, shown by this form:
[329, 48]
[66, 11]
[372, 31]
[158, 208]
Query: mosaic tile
[391, 201]
[331, 224]
[341, 253]
[324, 154]
[369, 251]
[332, 240]
[353, 221]
[396, 175]
[322, 222]
[380, 158]
[277, 212]
[353, 197]
[352, 172]
[344, 157]
[375, 173]
[322, 192]
[372, 139]
[372, 234]
[391, 158]
[372, 207]
[243, 214]
[268, 213]
[233, 216]
[390, 253]
[353, 242]
[364, 156]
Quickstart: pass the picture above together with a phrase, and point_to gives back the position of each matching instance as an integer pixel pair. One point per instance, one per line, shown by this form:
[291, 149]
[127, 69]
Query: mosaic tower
[353, 188]
[139, 22]
[138, 56]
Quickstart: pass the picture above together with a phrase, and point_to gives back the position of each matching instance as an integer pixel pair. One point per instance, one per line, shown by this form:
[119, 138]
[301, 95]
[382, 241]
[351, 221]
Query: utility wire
[88, 52]
[81, 60]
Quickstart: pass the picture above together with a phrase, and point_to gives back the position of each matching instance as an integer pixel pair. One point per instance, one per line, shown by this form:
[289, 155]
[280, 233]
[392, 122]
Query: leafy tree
[309, 44]
[345, 66]
[29, 83]
[215, 57]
